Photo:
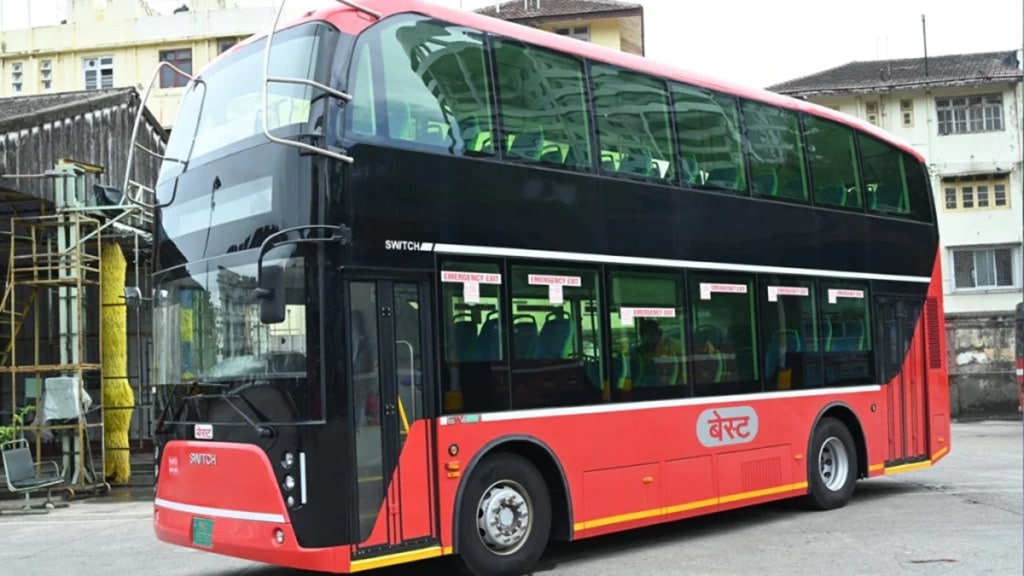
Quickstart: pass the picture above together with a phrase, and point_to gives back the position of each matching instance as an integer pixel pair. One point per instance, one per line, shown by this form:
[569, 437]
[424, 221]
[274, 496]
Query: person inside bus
[658, 358]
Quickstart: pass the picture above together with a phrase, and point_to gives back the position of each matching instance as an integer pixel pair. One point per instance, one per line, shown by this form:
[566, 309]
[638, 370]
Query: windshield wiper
[263, 430]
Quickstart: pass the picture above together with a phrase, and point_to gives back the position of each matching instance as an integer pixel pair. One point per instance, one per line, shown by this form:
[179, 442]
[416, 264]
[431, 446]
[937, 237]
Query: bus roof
[591, 51]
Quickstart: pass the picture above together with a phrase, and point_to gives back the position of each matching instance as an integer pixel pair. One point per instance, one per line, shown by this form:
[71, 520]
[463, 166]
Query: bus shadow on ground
[561, 554]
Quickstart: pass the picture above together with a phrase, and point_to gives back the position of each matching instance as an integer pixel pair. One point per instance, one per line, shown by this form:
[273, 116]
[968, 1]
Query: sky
[758, 42]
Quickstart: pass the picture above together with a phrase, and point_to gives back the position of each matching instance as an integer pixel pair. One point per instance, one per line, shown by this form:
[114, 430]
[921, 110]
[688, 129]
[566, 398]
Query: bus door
[901, 342]
[390, 348]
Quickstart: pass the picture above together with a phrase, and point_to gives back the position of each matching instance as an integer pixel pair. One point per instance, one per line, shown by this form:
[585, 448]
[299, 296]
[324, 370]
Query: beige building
[617, 25]
[118, 43]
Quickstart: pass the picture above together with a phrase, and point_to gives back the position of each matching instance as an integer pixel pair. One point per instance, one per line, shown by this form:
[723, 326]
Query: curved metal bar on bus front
[273, 240]
[268, 79]
[135, 133]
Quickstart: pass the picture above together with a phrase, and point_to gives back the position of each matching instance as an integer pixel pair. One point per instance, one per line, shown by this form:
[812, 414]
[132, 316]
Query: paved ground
[962, 517]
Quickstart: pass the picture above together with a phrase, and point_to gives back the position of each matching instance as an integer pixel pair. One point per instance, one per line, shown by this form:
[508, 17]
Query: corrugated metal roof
[20, 112]
[530, 9]
[884, 75]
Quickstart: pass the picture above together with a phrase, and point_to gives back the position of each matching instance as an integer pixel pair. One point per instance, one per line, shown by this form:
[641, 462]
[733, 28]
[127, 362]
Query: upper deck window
[542, 98]
[632, 123]
[776, 152]
[226, 105]
[433, 79]
[709, 138]
[833, 156]
[895, 181]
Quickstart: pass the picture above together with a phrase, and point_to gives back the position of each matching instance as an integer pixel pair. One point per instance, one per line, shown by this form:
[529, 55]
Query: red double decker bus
[430, 283]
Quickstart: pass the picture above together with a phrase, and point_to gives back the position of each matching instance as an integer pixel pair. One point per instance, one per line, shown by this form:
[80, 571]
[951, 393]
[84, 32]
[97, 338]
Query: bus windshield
[224, 348]
[223, 106]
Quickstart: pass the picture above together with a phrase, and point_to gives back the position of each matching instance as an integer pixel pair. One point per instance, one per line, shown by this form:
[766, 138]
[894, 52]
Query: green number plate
[202, 532]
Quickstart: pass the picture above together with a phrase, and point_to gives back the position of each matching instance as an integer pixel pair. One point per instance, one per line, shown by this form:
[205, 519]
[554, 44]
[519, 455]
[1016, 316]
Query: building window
[871, 112]
[577, 32]
[180, 58]
[1000, 194]
[16, 77]
[969, 114]
[975, 191]
[976, 268]
[46, 74]
[967, 194]
[951, 197]
[225, 44]
[907, 113]
[99, 72]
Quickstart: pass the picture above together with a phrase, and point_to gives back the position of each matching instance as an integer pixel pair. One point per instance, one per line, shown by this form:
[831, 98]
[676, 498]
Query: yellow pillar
[118, 398]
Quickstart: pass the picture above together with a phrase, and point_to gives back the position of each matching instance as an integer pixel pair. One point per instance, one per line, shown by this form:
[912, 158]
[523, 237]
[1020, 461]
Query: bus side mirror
[271, 294]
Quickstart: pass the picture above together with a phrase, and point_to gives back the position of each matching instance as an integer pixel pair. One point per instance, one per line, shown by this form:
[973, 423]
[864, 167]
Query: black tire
[831, 465]
[503, 472]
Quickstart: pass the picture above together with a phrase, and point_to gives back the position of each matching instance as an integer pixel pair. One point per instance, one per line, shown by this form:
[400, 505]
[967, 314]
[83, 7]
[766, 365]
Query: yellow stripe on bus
[907, 467]
[399, 558]
[913, 465]
[591, 524]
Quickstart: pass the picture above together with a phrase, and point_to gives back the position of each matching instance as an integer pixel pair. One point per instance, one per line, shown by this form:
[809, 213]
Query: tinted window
[648, 332]
[556, 337]
[723, 345]
[846, 334]
[473, 343]
[227, 106]
[543, 106]
[791, 333]
[776, 152]
[364, 94]
[919, 190]
[435, 86]
[884, 176]
[709, 138]
[833, 155]
[632, 123]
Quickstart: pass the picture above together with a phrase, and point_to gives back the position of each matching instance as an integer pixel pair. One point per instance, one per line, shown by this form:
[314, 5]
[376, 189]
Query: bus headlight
[288, 460]
[289, 482]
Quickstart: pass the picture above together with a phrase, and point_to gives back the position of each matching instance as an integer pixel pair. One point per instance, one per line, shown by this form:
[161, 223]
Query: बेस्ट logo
[725, 426]
[203, 431]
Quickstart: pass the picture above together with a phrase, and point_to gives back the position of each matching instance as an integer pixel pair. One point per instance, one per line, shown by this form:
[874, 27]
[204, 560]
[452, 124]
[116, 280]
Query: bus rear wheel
[831, 465]
[504, 518]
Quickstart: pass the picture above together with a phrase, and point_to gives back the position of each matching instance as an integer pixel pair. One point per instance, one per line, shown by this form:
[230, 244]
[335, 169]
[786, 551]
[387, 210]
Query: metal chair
[20, 471]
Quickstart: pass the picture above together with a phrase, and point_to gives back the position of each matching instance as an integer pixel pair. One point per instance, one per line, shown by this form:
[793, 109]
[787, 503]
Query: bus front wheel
[504, 519]
[831, 465]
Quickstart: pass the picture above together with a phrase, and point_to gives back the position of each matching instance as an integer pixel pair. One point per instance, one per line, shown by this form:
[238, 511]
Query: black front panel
[413, 196]
[233, 204]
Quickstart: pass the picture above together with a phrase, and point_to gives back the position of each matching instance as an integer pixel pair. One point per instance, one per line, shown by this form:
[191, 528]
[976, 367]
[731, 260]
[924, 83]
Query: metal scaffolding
[50, 319]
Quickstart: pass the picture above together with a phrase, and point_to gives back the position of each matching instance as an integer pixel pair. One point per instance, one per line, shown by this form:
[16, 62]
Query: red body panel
[937, 372]
[409, 493]
[236, 489]
[632, 465]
